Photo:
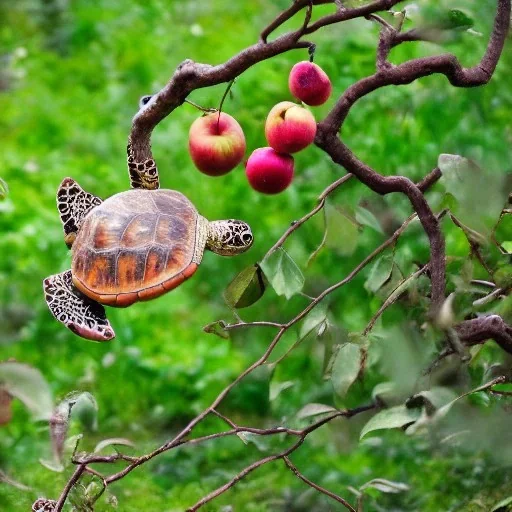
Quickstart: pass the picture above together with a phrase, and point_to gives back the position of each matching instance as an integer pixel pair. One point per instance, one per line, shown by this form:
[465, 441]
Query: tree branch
[190, 76]
[299, 475]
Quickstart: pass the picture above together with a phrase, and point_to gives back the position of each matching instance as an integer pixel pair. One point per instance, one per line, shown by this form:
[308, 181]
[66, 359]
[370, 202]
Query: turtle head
[229, 237]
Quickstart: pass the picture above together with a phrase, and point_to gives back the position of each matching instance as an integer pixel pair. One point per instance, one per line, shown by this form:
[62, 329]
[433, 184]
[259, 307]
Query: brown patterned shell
[135, 246]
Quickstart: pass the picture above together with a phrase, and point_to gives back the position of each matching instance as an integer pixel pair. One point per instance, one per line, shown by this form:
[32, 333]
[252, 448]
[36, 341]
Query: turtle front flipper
[74, 203]
[142, 174]
[76, 311]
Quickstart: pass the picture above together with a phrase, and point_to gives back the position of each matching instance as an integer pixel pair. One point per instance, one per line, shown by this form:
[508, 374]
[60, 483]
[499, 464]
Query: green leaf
[52, 465]
[430, 417]
[386, 486]
[431, 399]
[380, 273]
[385, 391]
[218, 328]
[80, 404]
[503, 276]
[28, 385]
[331, 337]
[345, 368]
[6, 479]
[503, 505]
[315, 410]
[403, 286]
[367, 218]
[471, 186]
[276, 388]
[314, 320]
[113, 441]
[472, 235]
[395, 417]
[507, 246]
[341, 230]
[261, 442]
[283, 273]
[4, 189]
[456, 19]
[246, 288]
[84, 408]
[442, 411]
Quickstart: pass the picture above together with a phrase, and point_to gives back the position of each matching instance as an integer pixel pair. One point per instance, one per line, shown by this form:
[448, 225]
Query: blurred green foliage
[71, 74]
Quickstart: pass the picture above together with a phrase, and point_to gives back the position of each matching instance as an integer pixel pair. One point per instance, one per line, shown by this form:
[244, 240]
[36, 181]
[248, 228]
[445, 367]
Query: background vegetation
[71, 76]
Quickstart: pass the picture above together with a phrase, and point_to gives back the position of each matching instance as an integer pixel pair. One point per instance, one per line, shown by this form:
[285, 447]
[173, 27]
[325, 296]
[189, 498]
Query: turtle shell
[136, 246]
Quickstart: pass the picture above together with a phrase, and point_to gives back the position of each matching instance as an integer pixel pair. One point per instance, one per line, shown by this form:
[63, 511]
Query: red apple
[268, 171]
[216, 143]
[309, 83]
[290, 127]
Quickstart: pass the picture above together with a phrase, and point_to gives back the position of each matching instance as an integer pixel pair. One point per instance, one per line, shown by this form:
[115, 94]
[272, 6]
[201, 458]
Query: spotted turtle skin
[136, 246]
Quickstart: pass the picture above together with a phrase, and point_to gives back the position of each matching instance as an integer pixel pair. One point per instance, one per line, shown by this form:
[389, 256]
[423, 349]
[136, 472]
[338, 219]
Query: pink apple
[268, 171]
[216, 143]
[290, 127]
[309, 83]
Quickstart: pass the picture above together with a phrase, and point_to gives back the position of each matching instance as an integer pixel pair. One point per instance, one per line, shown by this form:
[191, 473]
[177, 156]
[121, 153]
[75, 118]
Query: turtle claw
[78, 313]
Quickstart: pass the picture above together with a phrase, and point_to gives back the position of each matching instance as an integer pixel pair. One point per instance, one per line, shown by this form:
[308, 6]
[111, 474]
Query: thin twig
[299, 475]
[199, 107]
[249, 469]
[490, 297]
[382, 21]
[321, 203]
[481, 282]
[239, 325]
[393, 297]
[255, 465]
[226, 92]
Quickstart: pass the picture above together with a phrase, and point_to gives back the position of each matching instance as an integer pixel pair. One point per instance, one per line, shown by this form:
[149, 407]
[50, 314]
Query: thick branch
[69, 485]
[342, 155]
[190, 75]
[327, 138]
[478, 330]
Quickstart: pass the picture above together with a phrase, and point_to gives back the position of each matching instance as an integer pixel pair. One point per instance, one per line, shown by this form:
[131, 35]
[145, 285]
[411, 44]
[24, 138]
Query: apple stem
[230, 84]
[210, 110]
[311, 51]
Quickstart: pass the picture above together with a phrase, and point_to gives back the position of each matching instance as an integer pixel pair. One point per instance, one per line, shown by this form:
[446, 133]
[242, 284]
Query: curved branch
[190, 75]
[477, 330]
[411, 70]
[342, 155]
[327, 134]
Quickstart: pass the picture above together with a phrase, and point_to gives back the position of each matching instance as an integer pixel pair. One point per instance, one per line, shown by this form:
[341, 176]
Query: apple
[289, 127]
[216, 143]
[268, 171]
[309, 83]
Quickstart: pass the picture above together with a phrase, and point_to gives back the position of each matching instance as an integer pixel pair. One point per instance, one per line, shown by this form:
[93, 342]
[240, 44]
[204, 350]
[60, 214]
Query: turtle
[134, 246]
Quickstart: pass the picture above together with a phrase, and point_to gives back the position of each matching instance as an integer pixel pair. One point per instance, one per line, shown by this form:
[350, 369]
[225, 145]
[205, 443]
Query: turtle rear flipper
[74, 203]
[77, 312]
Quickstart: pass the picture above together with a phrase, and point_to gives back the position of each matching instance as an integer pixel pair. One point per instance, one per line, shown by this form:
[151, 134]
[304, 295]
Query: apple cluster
[217, 142]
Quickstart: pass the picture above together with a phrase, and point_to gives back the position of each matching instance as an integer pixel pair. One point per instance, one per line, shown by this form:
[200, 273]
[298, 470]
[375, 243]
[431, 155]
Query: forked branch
[191, 76]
